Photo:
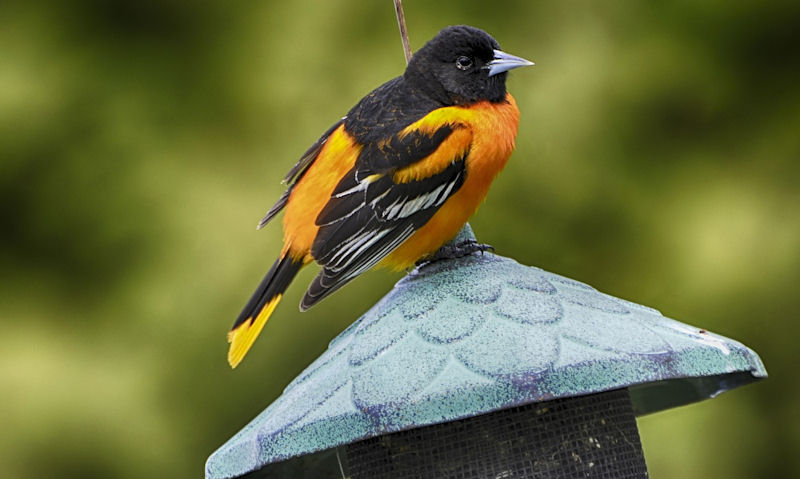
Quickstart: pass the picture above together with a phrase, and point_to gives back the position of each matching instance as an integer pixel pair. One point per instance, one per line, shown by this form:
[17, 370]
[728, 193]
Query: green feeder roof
[465, 337]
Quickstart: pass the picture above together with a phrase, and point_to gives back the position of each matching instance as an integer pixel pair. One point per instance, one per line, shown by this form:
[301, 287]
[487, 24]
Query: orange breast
[488, 131]
[494, 129]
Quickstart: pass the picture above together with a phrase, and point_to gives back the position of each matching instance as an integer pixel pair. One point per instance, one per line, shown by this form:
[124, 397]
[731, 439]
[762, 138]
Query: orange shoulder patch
[454, 147]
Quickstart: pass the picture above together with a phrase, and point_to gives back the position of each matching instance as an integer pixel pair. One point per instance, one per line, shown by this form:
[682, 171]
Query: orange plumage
[314, 190]
[493, 130]
[397, 177]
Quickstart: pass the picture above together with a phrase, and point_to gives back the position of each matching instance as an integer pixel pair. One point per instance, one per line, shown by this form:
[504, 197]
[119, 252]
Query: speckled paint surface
[464, 337]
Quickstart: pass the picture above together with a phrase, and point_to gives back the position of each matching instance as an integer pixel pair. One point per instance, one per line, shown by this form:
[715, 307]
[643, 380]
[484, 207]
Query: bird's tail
[261, 305]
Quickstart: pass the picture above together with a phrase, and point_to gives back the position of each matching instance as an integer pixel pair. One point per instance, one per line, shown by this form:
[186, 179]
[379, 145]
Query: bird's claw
[454, 251]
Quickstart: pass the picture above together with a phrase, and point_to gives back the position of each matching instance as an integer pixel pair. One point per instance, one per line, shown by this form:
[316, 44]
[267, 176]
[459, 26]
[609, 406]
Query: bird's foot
[457, 250]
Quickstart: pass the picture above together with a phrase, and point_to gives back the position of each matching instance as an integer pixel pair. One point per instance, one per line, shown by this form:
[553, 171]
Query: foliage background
[140, 142]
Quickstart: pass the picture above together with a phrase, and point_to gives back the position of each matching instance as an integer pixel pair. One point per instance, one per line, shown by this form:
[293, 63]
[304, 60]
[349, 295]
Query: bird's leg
[456, 250]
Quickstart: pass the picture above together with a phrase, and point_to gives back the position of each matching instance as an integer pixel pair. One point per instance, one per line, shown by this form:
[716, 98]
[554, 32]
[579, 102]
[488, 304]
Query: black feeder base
[591, 436]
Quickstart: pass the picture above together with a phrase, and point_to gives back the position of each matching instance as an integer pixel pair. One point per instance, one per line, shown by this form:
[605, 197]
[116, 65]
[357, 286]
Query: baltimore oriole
[397, 177]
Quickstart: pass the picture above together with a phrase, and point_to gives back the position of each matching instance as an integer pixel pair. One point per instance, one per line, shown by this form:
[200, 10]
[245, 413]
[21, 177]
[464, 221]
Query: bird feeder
[480, 367]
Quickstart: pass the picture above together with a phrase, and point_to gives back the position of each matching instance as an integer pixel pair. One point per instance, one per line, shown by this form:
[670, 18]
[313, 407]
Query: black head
[462, 65]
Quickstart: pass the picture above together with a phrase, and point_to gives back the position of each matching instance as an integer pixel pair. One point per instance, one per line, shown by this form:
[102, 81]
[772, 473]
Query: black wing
[369, 214]
[297, 172]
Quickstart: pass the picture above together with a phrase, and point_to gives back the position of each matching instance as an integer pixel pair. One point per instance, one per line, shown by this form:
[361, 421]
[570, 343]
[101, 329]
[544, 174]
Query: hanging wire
[401, 23]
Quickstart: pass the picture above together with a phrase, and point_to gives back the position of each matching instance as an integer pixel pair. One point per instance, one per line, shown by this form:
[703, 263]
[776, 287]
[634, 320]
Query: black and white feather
[370, 214]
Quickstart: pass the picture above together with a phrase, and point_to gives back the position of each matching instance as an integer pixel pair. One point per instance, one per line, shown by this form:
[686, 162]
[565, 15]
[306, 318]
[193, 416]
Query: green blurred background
[658, 160]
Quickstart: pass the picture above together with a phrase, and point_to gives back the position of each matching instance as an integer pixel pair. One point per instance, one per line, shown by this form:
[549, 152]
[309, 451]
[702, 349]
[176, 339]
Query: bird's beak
[503, 62]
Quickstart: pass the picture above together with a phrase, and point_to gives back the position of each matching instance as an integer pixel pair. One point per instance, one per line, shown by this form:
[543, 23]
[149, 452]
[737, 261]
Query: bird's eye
[464, 63]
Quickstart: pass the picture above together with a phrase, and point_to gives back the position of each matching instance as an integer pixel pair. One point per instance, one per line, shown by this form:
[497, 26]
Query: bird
[395, 178]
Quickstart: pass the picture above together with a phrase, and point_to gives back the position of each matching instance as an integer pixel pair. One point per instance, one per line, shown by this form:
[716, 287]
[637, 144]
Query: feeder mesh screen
[589, 436]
